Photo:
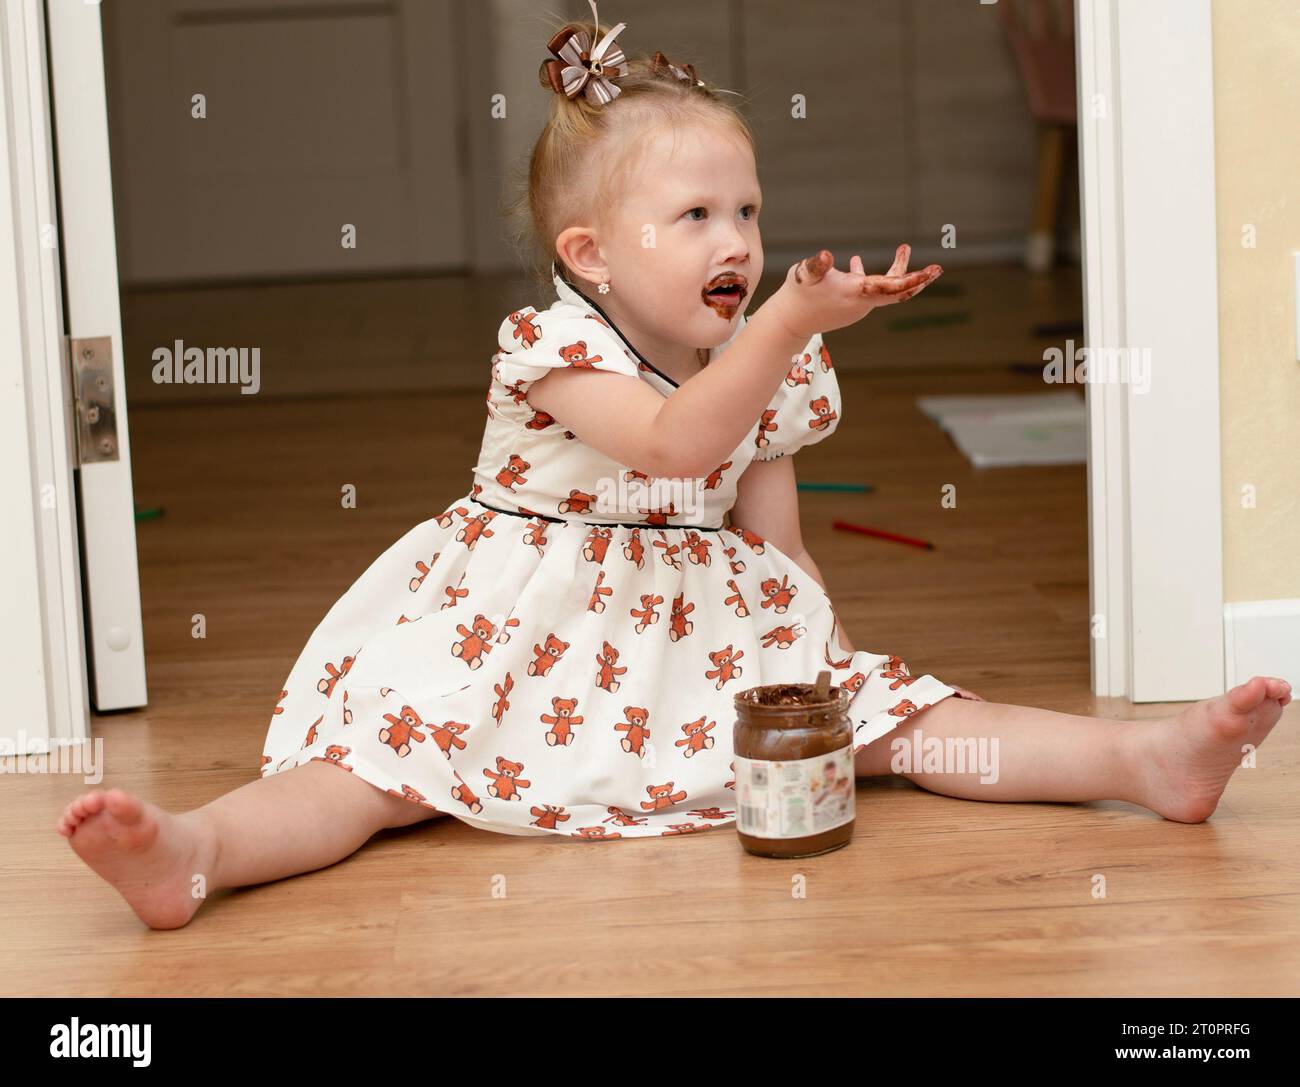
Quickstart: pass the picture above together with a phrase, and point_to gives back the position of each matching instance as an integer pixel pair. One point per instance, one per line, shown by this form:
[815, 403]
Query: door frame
[1147, 202]
[72, 632]
[41, 636]
[114, 628]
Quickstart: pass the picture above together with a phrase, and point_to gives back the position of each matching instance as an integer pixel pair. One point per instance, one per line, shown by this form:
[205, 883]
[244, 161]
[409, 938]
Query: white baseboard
[1261, 638]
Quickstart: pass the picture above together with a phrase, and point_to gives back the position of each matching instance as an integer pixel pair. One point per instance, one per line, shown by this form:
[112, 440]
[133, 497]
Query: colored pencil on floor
[848, 526]
[1059, 328]
[860, 488]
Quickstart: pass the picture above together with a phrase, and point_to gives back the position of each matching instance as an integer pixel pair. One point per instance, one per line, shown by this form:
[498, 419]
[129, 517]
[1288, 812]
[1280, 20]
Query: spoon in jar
[823, 688]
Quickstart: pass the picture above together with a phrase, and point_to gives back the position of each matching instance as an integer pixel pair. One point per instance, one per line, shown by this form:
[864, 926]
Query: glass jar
[794, 770]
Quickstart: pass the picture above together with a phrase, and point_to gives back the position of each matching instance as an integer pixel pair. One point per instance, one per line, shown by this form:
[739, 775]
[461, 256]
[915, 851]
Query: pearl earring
[604, 287]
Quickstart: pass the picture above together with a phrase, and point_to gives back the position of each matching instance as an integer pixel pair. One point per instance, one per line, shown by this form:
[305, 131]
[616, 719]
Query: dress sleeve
[532, 344]
[805, 409]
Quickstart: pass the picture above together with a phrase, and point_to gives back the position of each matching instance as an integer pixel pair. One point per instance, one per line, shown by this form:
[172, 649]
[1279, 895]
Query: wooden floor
[934, 896]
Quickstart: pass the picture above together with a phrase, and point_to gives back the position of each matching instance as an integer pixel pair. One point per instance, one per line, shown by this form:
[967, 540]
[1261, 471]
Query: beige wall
[1257, 162]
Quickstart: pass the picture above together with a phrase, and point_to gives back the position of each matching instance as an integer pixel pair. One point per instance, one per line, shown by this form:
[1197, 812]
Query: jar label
[796, 797]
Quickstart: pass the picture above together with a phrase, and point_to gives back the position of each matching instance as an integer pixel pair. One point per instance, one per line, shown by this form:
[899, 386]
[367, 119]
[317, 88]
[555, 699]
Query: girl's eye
[752, 209]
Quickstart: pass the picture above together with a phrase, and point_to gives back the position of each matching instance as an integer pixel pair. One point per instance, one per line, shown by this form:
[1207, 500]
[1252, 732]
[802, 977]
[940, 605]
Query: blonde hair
[582, 160]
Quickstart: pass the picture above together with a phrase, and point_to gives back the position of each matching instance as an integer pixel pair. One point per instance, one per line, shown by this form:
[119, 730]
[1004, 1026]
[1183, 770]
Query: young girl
[557, 653]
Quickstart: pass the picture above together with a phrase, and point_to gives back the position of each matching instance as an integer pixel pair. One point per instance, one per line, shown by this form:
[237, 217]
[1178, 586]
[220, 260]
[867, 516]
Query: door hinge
[90, 362]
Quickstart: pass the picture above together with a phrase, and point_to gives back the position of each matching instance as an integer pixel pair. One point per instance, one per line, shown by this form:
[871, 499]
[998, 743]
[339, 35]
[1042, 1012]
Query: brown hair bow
[686, 73]
[580, 68]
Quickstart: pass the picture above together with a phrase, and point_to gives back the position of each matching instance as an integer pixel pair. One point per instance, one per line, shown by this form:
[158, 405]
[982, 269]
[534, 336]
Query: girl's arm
[688, 434]
[767, 502]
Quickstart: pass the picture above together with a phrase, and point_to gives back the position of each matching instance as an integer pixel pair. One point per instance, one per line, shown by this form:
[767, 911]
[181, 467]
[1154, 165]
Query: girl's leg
[1177, 766]
[164, 864]
[1040, 754]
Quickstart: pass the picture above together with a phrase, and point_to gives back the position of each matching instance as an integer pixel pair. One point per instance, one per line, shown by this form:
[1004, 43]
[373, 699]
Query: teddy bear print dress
[557, 652]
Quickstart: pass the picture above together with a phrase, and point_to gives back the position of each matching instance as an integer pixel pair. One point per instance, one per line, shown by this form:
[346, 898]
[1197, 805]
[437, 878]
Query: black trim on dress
[632, 347]
[605, 524]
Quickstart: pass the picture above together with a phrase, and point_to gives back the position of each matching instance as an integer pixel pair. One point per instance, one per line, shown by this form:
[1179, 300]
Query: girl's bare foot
[151, 856]
[1184, 761]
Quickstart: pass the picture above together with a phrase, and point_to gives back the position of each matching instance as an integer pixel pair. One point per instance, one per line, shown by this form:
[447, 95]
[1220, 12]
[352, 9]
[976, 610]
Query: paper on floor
[999, 431]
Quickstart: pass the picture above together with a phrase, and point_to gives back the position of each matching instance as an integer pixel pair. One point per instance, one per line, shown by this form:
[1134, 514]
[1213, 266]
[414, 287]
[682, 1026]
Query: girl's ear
[577, 249]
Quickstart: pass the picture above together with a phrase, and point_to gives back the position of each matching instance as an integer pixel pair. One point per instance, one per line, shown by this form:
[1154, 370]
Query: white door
[1151, 288]
[71, 630]
[269, 138]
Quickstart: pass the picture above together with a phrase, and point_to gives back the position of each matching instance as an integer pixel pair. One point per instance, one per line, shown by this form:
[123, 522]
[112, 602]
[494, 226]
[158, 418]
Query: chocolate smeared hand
[724, 293]
[812, 269]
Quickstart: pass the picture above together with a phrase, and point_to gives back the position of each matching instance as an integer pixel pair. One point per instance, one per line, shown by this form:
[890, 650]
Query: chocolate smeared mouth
[724, 293]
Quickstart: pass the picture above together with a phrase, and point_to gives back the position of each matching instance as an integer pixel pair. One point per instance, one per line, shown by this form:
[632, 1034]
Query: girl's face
[688, 220]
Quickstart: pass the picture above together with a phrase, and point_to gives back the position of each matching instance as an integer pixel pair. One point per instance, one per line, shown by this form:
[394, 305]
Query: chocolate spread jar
[794, 769]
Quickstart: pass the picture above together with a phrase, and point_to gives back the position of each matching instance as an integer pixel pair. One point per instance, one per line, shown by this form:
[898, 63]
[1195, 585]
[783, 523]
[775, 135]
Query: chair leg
[1040, 246]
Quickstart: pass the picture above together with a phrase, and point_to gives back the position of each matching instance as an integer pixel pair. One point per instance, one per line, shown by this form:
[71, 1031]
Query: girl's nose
[735, 249]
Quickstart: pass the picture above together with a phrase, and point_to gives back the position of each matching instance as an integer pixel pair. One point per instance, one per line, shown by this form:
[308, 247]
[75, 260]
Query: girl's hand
[963, 693]
[817, 297]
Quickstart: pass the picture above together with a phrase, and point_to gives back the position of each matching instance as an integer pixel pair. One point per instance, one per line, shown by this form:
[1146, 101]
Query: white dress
[558, 651]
